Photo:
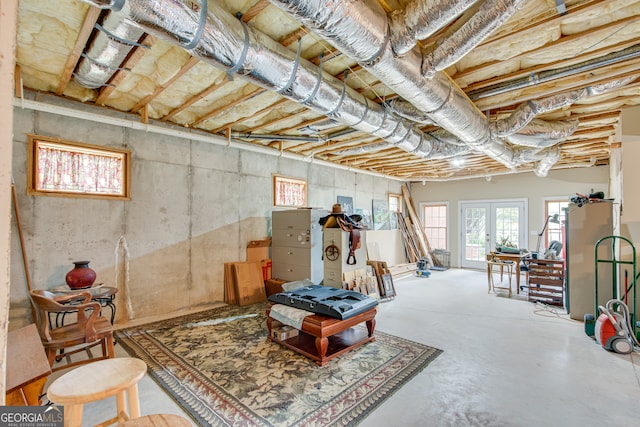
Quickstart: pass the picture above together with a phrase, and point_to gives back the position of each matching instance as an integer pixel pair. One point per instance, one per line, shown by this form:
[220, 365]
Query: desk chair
[506, 267]
[88, 331]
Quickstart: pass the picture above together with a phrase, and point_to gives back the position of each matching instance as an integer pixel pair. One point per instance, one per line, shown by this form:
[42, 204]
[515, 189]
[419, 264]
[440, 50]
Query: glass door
[487, 224]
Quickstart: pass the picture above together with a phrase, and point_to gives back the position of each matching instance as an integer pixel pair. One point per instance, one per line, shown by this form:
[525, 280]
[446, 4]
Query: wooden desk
[517, 260]
[313, 340]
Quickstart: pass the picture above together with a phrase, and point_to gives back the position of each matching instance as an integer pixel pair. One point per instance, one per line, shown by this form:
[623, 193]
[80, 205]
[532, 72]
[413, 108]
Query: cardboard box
[257, 250]
[284, 332]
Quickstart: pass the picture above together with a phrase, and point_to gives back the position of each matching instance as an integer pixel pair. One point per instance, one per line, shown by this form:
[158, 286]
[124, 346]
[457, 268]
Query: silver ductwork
[421, 19]
[542, 133]
[544, 158]
[526, 111]
[113, 42]
[218, 38]
[360, 30]
[408, 111]
[491, 15]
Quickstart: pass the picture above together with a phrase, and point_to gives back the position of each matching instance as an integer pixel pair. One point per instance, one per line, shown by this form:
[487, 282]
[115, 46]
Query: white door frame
[490, 238]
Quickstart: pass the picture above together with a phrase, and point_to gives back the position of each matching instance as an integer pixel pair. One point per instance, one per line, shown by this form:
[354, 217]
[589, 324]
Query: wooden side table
[98, 380]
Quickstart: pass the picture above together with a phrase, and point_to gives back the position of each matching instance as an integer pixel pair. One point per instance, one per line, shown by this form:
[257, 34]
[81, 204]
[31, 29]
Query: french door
[485, 224]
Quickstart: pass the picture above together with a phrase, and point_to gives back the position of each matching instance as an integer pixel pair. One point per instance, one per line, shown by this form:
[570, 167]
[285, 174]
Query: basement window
[64, 168]
[291, 192]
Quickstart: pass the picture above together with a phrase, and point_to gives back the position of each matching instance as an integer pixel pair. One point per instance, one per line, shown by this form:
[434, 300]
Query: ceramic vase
[81, 276]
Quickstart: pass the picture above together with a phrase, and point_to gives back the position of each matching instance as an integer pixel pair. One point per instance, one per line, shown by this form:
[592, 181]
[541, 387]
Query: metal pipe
[533, 79]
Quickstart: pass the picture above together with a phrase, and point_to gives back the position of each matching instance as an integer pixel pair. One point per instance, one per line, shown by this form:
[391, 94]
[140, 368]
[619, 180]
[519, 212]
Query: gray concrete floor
[506, 362]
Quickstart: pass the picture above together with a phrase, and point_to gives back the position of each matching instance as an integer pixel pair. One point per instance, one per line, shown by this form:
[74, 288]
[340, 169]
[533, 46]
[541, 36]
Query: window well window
[64, 168]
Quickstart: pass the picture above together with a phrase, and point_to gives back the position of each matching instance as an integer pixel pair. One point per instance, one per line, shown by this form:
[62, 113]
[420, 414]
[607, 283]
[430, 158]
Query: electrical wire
[550, 312]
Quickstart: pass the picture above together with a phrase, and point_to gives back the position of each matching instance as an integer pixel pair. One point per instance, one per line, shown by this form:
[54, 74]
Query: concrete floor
[506, 362]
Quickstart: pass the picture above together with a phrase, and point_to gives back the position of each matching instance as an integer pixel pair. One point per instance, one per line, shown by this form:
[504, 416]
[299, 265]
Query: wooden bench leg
[371, 325]
[322, 344]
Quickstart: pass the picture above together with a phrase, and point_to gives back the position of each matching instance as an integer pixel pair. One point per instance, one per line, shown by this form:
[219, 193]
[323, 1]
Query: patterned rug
[220, 367]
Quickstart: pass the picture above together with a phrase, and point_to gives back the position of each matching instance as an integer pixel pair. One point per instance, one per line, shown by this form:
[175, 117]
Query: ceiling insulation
[391, 123]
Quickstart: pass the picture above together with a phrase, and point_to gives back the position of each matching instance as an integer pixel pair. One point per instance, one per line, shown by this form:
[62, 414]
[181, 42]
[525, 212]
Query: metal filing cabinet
[333, 270]
[296, 248]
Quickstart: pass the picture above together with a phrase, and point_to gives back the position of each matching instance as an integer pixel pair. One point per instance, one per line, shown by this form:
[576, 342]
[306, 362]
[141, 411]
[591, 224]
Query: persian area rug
[220, 367]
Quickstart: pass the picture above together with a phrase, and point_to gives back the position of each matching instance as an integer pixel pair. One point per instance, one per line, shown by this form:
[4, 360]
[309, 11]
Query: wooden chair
[89, 330]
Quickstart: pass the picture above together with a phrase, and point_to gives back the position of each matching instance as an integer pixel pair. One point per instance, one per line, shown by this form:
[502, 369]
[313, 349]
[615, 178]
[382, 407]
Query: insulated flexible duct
[114, 40]
[421, 19]
[220, 39]
[490, 16]
[360, 29]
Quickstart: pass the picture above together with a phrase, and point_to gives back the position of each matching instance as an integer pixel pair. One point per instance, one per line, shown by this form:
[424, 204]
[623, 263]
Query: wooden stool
[98, 380]
[158, 420]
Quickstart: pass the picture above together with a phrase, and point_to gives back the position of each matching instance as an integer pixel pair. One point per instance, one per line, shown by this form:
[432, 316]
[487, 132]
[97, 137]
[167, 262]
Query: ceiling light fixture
[457, 162]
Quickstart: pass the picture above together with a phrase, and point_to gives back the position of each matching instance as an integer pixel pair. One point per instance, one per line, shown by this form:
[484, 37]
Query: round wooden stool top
[96, 380]
[158, 420]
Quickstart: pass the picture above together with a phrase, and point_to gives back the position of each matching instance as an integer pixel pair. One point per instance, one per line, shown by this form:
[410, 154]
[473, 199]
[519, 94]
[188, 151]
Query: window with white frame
[553, 232]
[435, 224]
[395, 209]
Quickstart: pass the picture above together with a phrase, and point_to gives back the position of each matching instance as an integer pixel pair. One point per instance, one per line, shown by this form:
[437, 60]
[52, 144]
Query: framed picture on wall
[291, 192]
[380, 214]
[346, 203]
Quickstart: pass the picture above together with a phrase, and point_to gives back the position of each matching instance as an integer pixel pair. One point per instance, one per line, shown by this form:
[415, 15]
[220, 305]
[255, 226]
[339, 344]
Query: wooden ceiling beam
[194, 99]
[164, 86]
[567, 84]
[242, 99]
[541, 24]
[134, 56]
[255, 10]
[542, 67]
[90, 19]
[253, 115]
[605, 29]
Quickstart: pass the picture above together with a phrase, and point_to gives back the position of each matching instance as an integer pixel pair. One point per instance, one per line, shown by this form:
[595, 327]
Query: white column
[8, 20]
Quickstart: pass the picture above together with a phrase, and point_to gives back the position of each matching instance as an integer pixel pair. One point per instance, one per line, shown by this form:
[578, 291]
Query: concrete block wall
[194, 206]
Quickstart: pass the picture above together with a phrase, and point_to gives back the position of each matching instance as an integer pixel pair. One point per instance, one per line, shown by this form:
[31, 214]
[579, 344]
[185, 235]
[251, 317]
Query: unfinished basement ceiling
[423, 90]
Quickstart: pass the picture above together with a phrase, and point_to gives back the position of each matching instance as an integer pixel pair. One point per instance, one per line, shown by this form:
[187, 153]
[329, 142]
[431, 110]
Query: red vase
[81, 276]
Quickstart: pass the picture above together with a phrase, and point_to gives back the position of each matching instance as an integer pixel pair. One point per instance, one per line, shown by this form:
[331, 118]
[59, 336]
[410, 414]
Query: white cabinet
[296, 247]
[335, 268]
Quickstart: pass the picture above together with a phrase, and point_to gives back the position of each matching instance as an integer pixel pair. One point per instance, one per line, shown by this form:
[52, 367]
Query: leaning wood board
[249, 283]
